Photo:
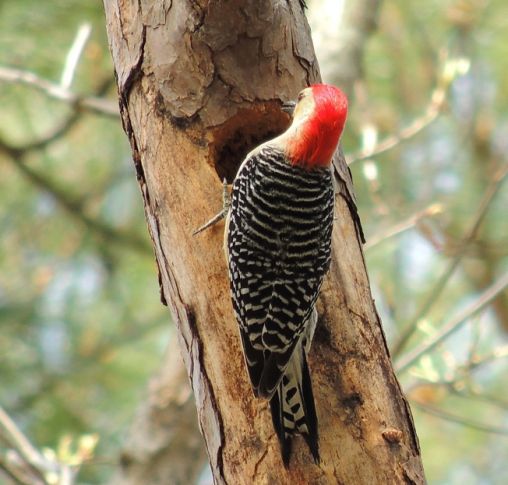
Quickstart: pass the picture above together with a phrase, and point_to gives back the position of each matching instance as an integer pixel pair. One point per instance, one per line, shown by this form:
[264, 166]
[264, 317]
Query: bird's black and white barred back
[279, 248]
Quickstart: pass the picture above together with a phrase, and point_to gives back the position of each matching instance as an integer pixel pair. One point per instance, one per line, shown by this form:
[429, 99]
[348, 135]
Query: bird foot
[226, 203]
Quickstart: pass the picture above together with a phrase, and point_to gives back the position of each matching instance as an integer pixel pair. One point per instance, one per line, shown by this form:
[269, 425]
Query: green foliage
[82, 326]
[452, 164]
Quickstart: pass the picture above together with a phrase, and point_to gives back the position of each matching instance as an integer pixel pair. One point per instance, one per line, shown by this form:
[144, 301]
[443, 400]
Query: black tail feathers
[293, 409]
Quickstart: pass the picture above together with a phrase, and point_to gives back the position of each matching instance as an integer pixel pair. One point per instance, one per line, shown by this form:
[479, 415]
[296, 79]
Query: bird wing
[275, 277]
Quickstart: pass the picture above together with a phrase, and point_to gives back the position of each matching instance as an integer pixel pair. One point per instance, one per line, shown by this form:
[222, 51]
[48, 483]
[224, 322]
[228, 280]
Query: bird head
[318, 120]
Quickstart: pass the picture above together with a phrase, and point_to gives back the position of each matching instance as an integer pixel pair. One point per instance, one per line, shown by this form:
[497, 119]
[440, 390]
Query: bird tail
[292, 407]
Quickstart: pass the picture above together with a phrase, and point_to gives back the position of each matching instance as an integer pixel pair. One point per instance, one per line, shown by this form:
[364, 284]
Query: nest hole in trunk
[244, 131]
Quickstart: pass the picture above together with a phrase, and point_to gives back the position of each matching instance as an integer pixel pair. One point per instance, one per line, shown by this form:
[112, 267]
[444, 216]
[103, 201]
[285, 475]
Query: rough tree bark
[200, 83]
[168, 410]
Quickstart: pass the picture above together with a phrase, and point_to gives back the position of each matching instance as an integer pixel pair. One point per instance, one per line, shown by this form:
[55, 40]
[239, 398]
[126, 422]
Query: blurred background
[427, 139]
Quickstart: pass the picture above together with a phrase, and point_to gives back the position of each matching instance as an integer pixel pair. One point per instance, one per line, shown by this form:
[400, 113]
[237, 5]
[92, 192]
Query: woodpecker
[278, 248]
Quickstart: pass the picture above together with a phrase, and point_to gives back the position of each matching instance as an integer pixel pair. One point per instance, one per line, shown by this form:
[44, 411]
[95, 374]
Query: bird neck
[311, 144]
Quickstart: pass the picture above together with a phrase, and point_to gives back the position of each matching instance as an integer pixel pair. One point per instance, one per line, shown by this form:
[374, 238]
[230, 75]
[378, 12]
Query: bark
[200, 83]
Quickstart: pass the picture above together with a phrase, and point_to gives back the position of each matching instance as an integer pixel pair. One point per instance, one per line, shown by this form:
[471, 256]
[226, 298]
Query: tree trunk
[200, 83]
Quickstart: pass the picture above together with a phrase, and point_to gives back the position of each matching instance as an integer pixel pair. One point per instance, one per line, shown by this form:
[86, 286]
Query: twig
[419, 124]
[12, 435]
[75, 207]
[496, 354]
[25, 463]
[20, 471]
[56, 131]
[454, 324]
[462, 374]
[4, 466]
[460, 420]
[483, 397]
[402, 226]
[91, 103]
[453, 388]
[18, 440]
[71, 62]
[470, 234]
[452, 68]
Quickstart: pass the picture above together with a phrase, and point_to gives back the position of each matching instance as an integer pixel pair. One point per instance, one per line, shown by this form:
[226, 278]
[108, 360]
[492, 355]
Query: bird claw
[218, 217]
[226, 203]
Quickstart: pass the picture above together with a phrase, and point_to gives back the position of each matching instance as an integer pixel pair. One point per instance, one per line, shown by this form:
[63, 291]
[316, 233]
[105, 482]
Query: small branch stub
[392, 435]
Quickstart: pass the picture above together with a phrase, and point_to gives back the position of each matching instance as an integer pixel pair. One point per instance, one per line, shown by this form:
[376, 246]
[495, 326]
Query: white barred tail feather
[292, 405]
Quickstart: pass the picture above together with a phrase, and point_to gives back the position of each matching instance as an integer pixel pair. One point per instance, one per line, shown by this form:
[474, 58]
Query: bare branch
[416, 126]
[25, 464]
[90, 103]
[22, 459]
[484, 397]
[452, 68]
[454, 324]
[402, 226]
[6, 468]
[16, 439]
[460, 384]
[459, 419]
[57, 131]
[470, 234]
[19, 471]
[72, 60]
[75, 207]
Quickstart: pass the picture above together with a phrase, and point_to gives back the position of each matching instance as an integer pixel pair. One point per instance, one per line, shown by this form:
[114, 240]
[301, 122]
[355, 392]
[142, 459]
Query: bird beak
[288, 107]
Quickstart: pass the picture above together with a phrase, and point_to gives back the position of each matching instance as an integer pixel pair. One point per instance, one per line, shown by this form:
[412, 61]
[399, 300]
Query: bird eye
[301, 96]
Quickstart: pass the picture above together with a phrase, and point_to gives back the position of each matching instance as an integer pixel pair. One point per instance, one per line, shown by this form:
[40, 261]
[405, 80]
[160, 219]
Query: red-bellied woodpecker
[278, 247]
